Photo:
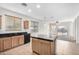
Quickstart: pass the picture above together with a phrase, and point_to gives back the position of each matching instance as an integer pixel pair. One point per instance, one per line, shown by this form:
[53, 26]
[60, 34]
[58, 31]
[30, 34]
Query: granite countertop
[63, 37]
[45, 38]
[8, 32]
[66, 38]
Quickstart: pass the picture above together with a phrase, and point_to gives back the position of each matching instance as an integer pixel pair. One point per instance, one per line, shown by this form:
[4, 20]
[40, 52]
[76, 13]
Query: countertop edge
[43, 39]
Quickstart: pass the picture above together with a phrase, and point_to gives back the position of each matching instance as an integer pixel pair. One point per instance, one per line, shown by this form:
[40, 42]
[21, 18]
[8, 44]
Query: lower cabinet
[1, 44]
[15, 41]
[10, 42]
[43, 47]
[21, 39]
[7, 43]
[35, 45]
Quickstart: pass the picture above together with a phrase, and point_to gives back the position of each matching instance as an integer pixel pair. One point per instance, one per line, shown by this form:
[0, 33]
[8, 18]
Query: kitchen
[39, 29]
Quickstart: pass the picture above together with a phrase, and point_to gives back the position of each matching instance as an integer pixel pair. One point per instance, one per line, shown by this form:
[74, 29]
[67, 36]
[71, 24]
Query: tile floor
[20, 50]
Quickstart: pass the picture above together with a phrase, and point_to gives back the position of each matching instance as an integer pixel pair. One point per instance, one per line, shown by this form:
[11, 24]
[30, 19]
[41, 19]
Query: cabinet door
[21, 39]
[15, 41]
[1, 44]
[26, 24]
[7, 43]
[45, 47]
[35, 45]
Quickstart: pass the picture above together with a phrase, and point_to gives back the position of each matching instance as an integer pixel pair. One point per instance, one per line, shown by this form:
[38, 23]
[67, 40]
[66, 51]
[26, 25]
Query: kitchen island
[43, 45]
[11, 40]
[60, 45]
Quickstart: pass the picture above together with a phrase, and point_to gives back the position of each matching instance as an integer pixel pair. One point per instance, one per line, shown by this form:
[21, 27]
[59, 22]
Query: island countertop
[65, 38]
[45, 38]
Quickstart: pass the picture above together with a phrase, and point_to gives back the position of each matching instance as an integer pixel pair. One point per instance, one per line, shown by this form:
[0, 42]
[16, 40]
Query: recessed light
[29, 10]
[38, 6]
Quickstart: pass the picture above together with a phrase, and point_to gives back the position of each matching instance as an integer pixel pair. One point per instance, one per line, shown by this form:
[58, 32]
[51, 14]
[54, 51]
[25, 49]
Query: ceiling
[47, 11]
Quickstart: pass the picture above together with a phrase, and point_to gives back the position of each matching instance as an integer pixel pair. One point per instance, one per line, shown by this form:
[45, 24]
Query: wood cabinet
[15, 41]
[12, 23]
[21, 39]
[1, 44]
[7, 43]
[26, 24]
[35, 45]
[43, 47]
[10, 42]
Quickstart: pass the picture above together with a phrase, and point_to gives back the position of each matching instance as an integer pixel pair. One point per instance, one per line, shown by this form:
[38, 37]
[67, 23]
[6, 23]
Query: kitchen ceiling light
[29, 10]
[38, 6]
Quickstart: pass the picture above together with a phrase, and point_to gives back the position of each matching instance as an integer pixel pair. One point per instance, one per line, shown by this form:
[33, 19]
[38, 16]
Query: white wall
[68, 23]
[44, 27]
[77, 29]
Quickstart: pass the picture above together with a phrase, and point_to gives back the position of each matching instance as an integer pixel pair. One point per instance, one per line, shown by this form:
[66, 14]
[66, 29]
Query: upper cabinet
[26, 24]
[34, 26]
[12, 23]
